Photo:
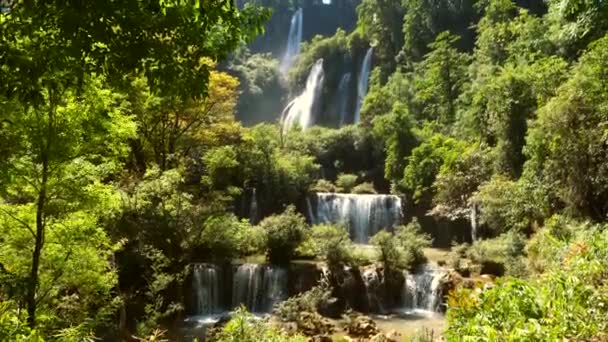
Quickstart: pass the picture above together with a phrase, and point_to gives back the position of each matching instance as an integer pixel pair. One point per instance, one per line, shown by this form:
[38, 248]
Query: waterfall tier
[259, 287]
[293, 41]
[363, 83]
[364, 215]
[342, 98]
[207, 285]
[303, 108]
[421, 290]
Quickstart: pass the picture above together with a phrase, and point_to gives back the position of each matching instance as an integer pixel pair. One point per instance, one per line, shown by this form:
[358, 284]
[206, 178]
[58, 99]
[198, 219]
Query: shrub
[332, 244]
[13, 326]
[244, 327]
[501, 255]
[323, 185]
[364, 188]
[402, 249]
[284, 233]
[227, 237]
[346, 182]
[289, 310]
[569, 301]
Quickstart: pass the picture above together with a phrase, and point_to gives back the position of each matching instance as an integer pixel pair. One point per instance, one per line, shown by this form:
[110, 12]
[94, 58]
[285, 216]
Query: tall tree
[48, 49]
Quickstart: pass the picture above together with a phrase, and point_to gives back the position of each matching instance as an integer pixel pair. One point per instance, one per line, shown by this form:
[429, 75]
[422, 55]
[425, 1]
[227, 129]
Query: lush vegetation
[122, 160]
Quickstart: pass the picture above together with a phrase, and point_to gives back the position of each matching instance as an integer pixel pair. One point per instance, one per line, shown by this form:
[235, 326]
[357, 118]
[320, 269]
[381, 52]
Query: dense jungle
[303, 170]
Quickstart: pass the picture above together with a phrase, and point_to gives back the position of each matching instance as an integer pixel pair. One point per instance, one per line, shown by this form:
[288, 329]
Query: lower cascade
[421, 290]
[259, 287]
[206, 282]
[364, 215]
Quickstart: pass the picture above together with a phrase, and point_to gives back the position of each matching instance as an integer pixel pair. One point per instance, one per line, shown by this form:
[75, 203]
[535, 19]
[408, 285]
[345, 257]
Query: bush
[13, 326]
[227, 237]
[364, 188]
[501, 255]
[346, 182]
[402, 249]
[244, 327]
[289, 310]
[323, 185]
[332, 244]
[284, 233]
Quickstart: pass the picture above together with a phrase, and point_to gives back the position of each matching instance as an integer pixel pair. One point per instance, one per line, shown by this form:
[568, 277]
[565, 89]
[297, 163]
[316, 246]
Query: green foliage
[260, 86]
[569, 301]
[380, 21]
[323, 185]
[364, 188]
[426, 19]
[565, 144]
[402, 249]
[427, 160]
[502, 254]
[226, 237]
[284, 233]
[458, 181]
[507, 205]
[244, 327]
[289, 310]
[332, 243]
[439, 80]
[346, 182]
[13, 326]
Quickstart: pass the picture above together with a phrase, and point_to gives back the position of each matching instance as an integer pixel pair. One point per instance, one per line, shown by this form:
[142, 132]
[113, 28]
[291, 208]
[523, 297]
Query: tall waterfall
[206, 282]
[293, 41]
[302, 109]
[421, 290]
[259, 287]
[253, 208]
[343, 91]
[363, 82]
[364, 215]
[473, 219]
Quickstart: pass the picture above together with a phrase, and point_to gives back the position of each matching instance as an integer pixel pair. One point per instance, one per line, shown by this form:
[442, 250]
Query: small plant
[284, 233]
[323, 185]
[364, 188]
[346, 182]
[403, 249]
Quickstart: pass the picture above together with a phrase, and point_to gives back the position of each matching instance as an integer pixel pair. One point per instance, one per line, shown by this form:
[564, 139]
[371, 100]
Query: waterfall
[363, 82]
[421, 290]
[302, 109]
[364, 215]
[206, 281]
[473, 219]
[293, 41]
[342, 102]
[259, 287]
[253, 208]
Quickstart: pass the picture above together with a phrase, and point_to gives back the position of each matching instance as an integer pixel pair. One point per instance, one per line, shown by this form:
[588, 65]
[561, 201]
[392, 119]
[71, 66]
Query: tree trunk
[33, 283]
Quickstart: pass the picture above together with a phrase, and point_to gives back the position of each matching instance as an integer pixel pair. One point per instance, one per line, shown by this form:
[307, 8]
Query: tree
[48, 52]
[439, 80]
[52, 178]
[284, 233]
[172, 129]
[381, 21]
[566, 142]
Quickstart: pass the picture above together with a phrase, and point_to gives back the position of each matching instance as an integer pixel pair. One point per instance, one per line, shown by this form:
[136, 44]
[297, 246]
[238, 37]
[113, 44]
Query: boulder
[362, 327]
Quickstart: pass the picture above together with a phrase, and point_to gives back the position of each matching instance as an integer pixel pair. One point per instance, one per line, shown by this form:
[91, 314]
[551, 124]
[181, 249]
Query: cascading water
[343, 91]
[363, 82]
[259, 287]
[206, 282]
[293, 41]
[302, 109]
[473, 219]
[364, 215]
[253, 208]
[421, 290]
